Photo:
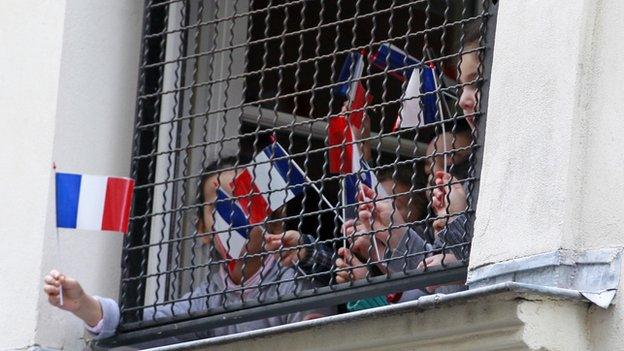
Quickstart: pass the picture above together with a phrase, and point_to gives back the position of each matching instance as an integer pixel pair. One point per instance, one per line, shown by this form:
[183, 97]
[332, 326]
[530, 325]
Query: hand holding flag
[91, 203]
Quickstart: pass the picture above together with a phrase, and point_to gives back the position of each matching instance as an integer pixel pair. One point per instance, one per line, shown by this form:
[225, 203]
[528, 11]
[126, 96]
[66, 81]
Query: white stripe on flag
[91, 202]
[275, 199]
[411, 113]
[232, 241]
[357, 74]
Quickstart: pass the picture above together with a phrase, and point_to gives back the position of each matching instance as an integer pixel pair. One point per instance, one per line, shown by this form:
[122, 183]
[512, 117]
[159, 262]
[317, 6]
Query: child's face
[470, 94]
[401, 202]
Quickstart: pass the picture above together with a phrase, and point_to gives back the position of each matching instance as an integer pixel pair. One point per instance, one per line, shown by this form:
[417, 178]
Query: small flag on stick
[268, 184]
[420, 105]
[93, 202]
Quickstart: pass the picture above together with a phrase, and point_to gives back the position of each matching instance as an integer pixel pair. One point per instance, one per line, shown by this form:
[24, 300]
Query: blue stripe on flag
[429, 101]
[346, 72]
[286, 168]
[67, 196]
[366, 176]
[351, 188]
[394, 59]
[353, 180]
[232, 213]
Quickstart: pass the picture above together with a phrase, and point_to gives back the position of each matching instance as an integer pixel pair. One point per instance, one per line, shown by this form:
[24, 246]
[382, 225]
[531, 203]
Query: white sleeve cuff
[96, 329]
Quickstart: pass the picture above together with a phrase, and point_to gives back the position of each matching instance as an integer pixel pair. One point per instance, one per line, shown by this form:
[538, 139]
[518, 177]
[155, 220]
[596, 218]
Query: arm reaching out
[76, 301]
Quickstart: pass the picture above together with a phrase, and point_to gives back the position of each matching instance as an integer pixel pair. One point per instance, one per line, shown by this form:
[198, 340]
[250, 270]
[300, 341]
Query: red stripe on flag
[253, 203]
[117, 203]
[231, 264]
[360, 99]
[397, 123]
[339, 133]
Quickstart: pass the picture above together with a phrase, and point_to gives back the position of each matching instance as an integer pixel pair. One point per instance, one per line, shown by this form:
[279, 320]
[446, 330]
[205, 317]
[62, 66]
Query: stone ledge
[507, 316]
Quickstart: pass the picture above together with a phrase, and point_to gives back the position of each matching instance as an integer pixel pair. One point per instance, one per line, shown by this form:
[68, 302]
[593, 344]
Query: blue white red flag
[394, 58]
[420, 104]
[270, 182]
[93, 202]
[231, 224]
[345, 158]
[353, 89]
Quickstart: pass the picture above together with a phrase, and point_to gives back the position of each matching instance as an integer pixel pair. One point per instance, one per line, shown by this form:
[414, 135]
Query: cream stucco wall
[72, 70]
[28, 99]
[602, 193]
[552, 165]
[533, 164]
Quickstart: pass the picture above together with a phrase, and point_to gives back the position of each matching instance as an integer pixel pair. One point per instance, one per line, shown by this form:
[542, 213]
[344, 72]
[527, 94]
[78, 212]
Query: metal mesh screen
[300, 158]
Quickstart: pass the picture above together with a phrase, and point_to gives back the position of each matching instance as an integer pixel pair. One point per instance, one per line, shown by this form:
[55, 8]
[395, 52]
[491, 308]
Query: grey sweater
[412, 248]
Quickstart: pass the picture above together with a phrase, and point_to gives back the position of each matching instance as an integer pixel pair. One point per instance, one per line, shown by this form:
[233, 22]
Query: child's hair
[403, 175]
[211, 171]
[472, 33]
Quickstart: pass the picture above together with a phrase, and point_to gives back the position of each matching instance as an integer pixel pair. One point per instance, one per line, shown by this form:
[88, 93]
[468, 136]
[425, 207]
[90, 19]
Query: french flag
[392, 57]
[419, 110]
[352, 70]
[93, 202]
[269, 183]
[231, 224]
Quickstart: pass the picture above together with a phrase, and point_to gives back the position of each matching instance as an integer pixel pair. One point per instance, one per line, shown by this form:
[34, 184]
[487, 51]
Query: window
[264, 126]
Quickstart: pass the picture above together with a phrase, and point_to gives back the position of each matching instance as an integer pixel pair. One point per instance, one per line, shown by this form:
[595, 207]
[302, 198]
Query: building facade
[544, 265]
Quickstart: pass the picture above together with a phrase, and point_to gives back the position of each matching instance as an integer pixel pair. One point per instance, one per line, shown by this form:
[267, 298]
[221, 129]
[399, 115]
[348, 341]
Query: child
[403, 240]
[102, 315]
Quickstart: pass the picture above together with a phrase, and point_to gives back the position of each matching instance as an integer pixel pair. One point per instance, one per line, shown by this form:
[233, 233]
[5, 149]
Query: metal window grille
[220, 81]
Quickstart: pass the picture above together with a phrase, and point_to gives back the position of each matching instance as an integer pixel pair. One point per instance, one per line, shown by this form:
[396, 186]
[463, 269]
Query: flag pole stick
[323, 198]
[58, 236]
[344, 209]
[435, 82]
[370, 221]
[58, 254]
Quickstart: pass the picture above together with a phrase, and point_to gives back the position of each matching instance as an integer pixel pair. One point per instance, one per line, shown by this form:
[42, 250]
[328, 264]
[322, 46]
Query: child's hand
[350, 267]
[288, 239]
[72, 291]
[361, 239]
[437, 260]
[75, 300]
[379, 216]
[447, 199]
